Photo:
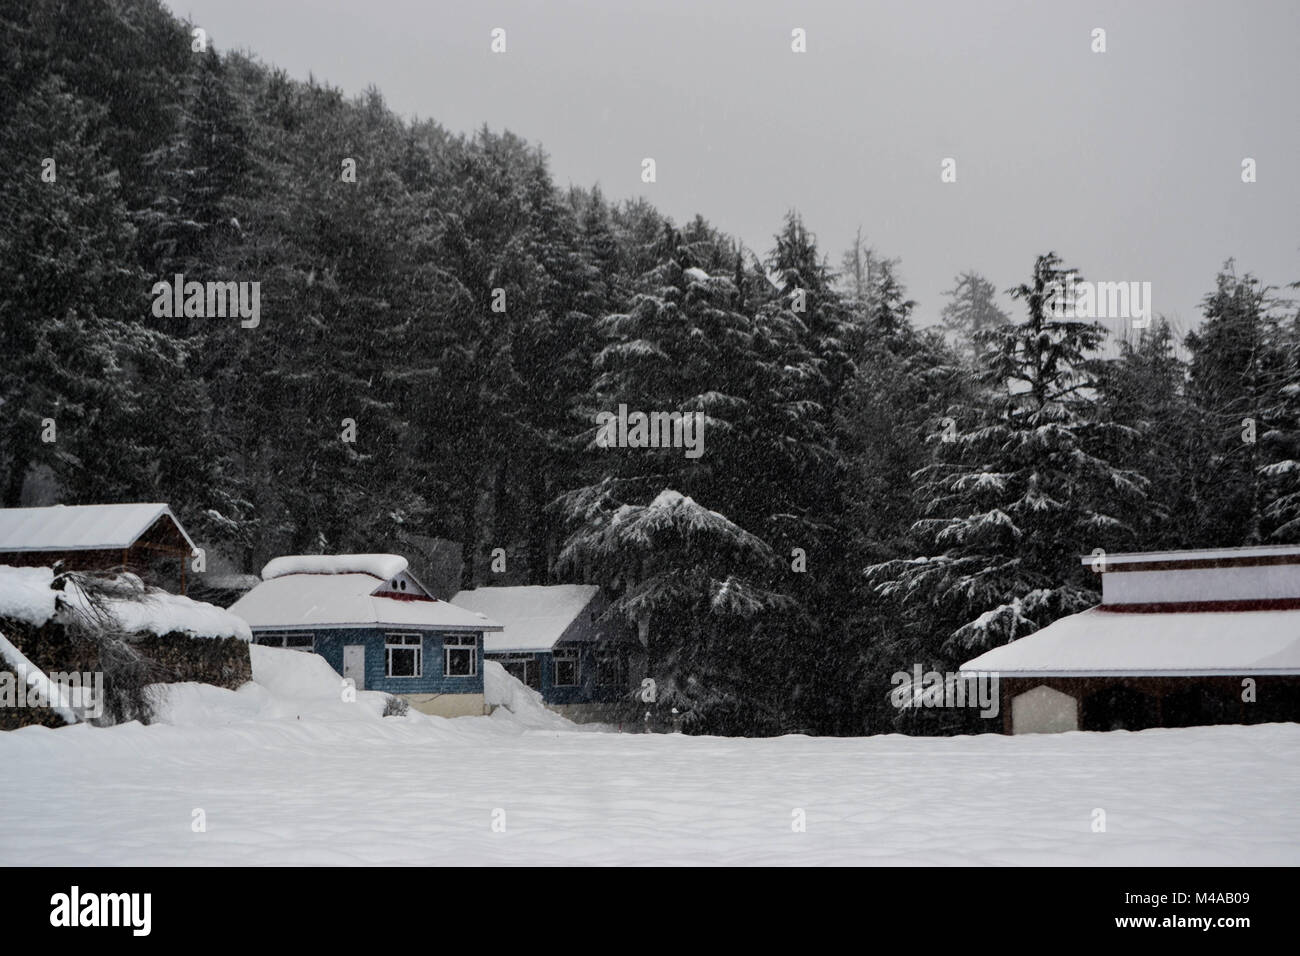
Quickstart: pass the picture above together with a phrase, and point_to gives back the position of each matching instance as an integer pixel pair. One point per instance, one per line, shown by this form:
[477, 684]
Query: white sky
[1127, 163]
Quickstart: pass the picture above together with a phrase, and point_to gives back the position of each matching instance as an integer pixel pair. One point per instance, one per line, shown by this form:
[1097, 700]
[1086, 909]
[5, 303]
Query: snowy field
[286, 773]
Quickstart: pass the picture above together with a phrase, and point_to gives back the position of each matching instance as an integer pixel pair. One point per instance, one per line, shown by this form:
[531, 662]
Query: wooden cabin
[145, 539]
[557, 640]
[1181, 638]
[376, 624]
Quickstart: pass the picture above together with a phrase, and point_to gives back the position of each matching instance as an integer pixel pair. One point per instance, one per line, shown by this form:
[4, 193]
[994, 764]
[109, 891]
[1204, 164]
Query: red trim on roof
[403, 596]
[1183, 607]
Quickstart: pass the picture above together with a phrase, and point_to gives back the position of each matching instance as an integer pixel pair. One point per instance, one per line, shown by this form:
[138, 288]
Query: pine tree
[1145, 389]
[66, 277]
[1237, 369]
[971, 309]
[685, 576]
[1019, 492]
[1281, 473]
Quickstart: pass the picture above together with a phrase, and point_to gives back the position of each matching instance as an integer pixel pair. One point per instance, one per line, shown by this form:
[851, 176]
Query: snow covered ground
[286, 772]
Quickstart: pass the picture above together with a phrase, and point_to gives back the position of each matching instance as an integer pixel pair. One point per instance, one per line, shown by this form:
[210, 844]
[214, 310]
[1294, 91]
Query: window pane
[402, 662]
[566, 668]
[460, 661]
[611, 671]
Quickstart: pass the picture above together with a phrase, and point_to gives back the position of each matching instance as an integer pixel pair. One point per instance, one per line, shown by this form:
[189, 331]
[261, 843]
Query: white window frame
[282, 640]
[526, 660]
[403, 641]
[458, 642]
[568, 653]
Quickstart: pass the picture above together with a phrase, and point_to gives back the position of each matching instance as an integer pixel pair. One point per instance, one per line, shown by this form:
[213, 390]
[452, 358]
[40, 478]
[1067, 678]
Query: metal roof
[80, 527]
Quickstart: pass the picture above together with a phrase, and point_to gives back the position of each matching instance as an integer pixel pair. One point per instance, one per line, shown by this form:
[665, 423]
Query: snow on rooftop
[324, 599]
[1100, 642]
[26, 594]
[1202, 554]
[533, 616]
[379, 565]
[79, 527]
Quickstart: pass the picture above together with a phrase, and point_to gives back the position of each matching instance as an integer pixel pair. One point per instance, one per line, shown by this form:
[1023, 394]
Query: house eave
[372, 625]
[1198, 672]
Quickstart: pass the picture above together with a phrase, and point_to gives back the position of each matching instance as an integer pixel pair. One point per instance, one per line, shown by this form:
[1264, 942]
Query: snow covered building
[553, 640]
[145, 539]
[1181, 638]
[369, 617]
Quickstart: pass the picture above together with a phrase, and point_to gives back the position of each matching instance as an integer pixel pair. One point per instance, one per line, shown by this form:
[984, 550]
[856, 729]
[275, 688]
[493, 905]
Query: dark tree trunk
[539, 570]
[469, 534]
[13, 496]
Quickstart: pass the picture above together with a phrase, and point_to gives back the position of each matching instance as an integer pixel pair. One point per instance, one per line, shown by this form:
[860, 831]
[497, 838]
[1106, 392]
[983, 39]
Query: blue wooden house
[553, 639]
[369, 617]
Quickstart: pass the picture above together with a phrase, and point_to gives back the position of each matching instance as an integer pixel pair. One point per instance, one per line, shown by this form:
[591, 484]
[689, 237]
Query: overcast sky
[1127, 163]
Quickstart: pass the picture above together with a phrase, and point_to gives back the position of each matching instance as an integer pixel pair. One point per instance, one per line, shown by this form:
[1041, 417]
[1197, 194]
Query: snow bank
[304, 685]
[190, 704]
[297, 791]
[288, 673]
[286, 684]
[25, 594]
[380, 565]
[517, 703]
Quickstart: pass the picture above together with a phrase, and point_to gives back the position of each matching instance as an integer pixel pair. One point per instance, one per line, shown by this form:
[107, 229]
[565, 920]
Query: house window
[611, 669]
[404, 656]
[460, 655]
[523, 668]
[566, 668]
[295, 642]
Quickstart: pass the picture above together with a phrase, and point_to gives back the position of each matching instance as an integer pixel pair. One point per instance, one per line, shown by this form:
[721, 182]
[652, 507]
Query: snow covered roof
[379, 565]
[1221, 557]
[26, 594]
[317, 600]
[534, 616]
[1100, 642]
[80, 527]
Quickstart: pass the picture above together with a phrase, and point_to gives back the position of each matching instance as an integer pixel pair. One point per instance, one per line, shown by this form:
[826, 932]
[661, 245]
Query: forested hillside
[440, 326]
